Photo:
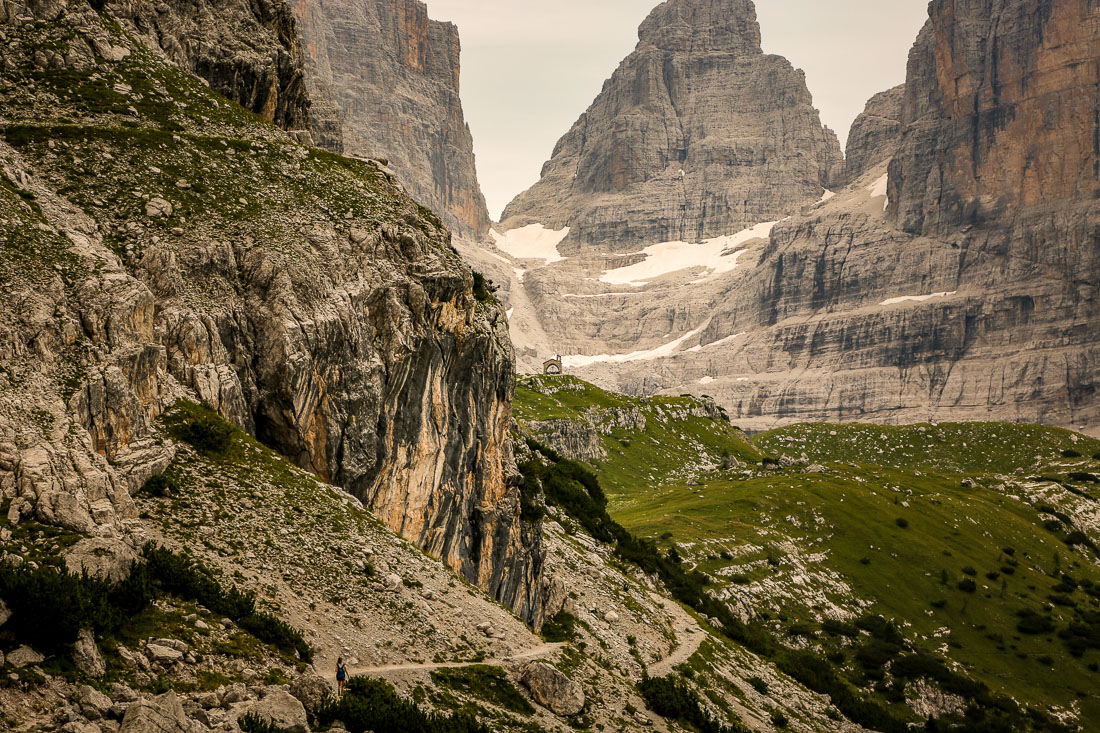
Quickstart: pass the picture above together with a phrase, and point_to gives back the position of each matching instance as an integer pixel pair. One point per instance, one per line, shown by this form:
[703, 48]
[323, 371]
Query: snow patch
[598, 295]
[706, 380]
[532, 242]
[508, 313]
[881, 188]
[826, 196]
[719, 342]
[661, 351]
[716, 255]
[916, 298]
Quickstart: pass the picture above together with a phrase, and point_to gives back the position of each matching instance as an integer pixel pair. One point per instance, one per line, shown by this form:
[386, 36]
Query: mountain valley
[824, 457]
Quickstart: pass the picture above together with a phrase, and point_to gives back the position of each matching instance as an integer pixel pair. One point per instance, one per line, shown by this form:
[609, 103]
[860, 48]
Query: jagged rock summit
[384, 80]
[697, 134]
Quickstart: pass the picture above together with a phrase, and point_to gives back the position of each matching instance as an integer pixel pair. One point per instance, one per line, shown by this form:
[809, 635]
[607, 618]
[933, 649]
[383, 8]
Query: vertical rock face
[198, 252]
[1001, 112]
[385, 82]
[957, 280]
[697, 134]
[875, 134]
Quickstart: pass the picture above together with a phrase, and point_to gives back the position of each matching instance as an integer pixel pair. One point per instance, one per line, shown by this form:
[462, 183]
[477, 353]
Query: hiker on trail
[341, 674]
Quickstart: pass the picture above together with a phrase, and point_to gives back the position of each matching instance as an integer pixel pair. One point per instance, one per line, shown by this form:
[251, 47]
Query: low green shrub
[373, 705]
[967, 585]
[902, 522]
[674, 699]
[163, 484]
[50, 607]
[1070, 453]
[253, 723]
[486, 683]
[562, 627]
[484, 289]
[1033, 623]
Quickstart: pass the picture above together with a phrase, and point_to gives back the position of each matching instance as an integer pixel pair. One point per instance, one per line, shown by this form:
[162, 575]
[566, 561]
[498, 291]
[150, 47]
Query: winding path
[543, 650]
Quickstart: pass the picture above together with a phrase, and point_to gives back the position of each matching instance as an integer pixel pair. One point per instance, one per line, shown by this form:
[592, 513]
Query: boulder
[158, 208]
[311, 689]
[163, 654]
[284, 711]
[393, 582]
[552, 689]
[610, 616]
[93, 703]
[24, 656]
[5, 613]
[86, 655]
[123, 693]
[233, 694]
[161, 714]
[101, 557]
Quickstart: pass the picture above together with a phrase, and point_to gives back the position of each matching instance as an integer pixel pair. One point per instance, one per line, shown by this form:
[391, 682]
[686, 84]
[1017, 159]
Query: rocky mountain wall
[1000, 112]
[160, 243]
[385, 81]
[951, 279]
[697, 134]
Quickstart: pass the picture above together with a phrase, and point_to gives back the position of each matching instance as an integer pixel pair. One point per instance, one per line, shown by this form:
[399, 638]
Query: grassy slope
[671, 449]
[797, 546]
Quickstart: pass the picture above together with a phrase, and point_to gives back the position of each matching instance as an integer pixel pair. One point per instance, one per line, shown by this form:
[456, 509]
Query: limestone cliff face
[1000, 112]
[875, 134]
[195, 251]
[697, 134]
[956, 281]
[385, 83]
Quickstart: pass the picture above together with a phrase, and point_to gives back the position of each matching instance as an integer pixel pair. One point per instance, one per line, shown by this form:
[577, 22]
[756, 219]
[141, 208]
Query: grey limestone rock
[281, 709]
[161, 714]
[384, 79]
[552, 689]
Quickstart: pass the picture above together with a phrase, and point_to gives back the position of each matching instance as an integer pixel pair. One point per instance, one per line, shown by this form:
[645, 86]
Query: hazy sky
[529, 69]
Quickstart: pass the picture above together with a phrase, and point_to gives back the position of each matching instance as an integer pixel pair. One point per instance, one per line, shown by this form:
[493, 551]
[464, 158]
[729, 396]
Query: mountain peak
[702, 25]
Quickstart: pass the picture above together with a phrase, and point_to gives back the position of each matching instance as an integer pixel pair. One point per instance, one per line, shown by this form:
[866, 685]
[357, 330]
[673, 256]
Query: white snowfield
[880, 188]
[668, 349]
[712, 344]
[826, 196]
[916, 298]
[533, 242]
[706, 380]
[716, 255]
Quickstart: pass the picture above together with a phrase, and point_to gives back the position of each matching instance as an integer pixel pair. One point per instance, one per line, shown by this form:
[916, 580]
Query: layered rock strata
[385, 83]
[697, 134]
[160, 243]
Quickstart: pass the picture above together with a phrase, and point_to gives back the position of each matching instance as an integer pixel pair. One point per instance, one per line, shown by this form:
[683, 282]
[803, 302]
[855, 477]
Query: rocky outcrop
[304, 296]
[246, 50]
[385, 80]
[697, 134]
[875, 134]
[574, 439]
